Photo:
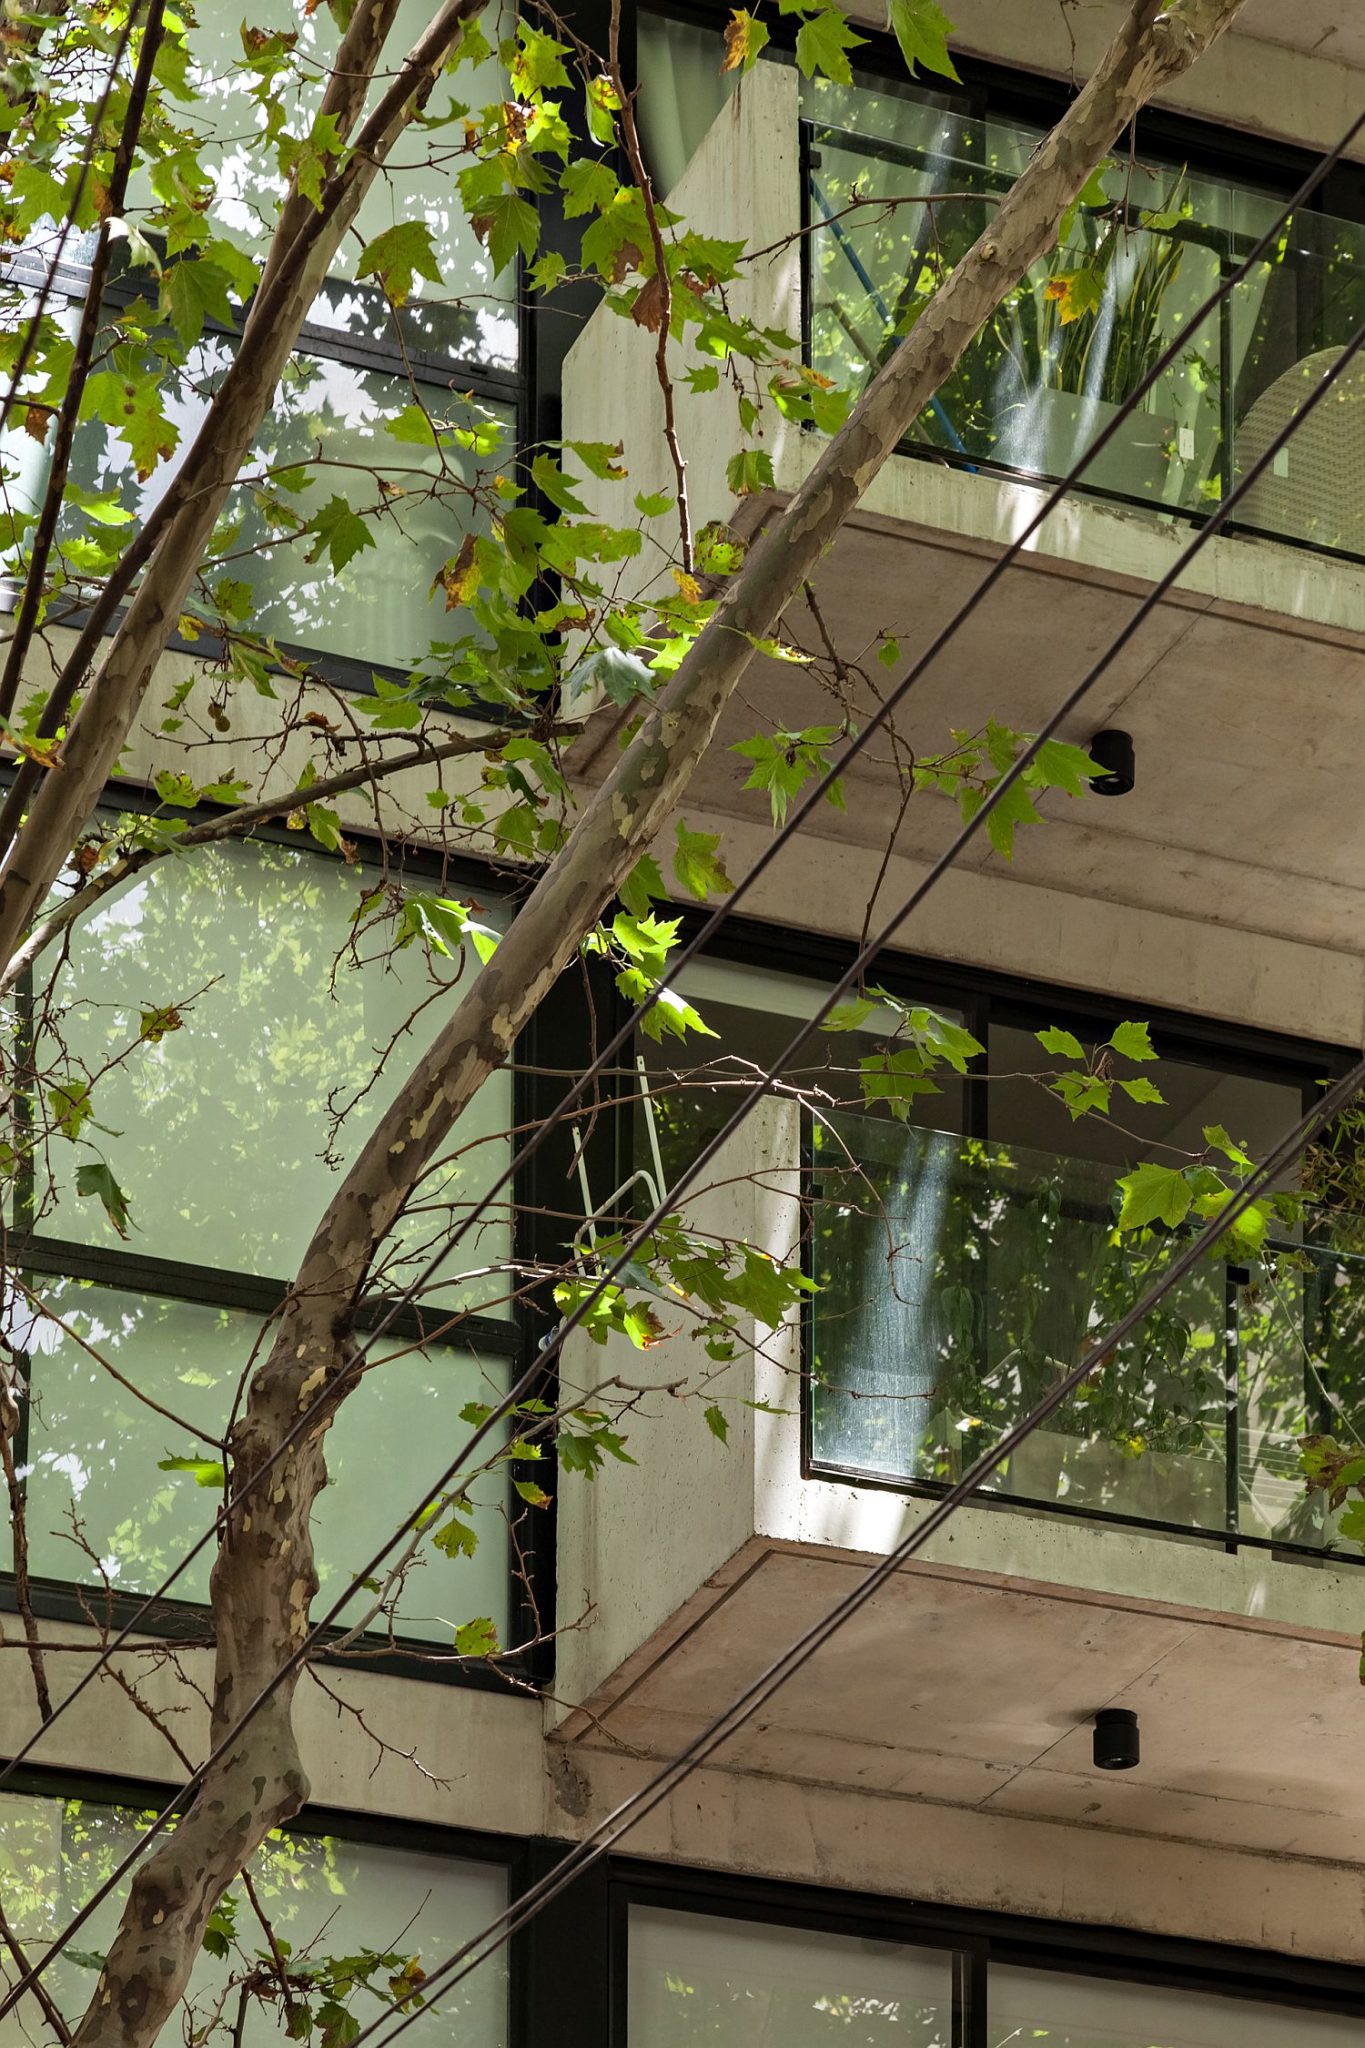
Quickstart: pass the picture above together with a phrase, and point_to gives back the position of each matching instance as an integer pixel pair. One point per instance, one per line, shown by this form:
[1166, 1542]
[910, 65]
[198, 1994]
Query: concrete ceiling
[952, 1688]
[1249, 728]
[1322, 28]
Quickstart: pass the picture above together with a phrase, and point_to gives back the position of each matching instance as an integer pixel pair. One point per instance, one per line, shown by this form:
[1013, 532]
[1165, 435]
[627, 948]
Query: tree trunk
[265, 1575]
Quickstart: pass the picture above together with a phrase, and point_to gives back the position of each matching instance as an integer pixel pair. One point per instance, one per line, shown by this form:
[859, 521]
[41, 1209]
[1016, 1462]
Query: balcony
[940, 1743]
[1241, 690]
[1140, 255]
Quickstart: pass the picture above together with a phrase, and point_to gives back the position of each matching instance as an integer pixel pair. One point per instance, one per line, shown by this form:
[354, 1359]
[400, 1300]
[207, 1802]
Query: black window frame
[561, 1030]
[982, 996]
[589, 1924]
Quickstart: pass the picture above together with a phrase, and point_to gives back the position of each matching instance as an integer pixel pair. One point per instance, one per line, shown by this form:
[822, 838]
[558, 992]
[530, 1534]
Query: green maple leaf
[455, 1538]
[505, 224]
[823, 45]
[341, 532]
[587, 186]
[749, 472]
[131, 405]
[309, 159]
[696, 865]
[922, 30]
[192, 292]
[96, 1179]
[1154, 1194]
[205, 1471]
[1063, 1043]
[398, 256]
[1134, 1041]
[540, 60]
[1015, 807]
[476, 1638]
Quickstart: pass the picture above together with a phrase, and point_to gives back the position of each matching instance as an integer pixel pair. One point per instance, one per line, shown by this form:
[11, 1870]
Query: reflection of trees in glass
[958, 1281]
[219, 1131]
[418, 182]
[271, 576]
[329, 1902]
[694, 1979]
[95, 1453]
[1136, 259]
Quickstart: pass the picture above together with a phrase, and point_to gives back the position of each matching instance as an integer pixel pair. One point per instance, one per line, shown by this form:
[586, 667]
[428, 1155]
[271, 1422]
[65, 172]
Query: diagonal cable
[688, 1179]
[480, 1947]
[796, 817]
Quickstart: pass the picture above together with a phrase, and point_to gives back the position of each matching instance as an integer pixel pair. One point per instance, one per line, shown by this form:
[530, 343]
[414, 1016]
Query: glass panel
[378, 606]
[1291, 320]
[1256, 1111]
[958, 1281]
[323, 1894]
[1029, 2006]
[682, 89]
[1072, 343]
[695, 1083]
[221, 1133]
[94, 1449]
[1300, 1331]
[694, 1978]
[1049, 371]
[471, 313]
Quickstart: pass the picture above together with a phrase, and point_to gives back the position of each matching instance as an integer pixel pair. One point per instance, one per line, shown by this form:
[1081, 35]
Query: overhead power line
[688, 1179]
[639, 1804]
[795, 818]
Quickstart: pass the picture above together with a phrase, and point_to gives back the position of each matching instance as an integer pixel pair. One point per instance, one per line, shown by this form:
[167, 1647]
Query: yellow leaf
[460, 577]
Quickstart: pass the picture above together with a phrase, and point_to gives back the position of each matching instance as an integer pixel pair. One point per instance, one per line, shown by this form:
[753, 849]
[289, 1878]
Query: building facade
[911, 1840]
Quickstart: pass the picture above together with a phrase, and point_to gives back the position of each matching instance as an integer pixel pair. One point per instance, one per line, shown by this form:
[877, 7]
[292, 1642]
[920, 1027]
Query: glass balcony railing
[958, 1280]
[898, 188]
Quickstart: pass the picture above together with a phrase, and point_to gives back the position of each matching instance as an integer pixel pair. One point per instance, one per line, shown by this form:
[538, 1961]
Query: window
[695, 1977]
[359, 392]
[382, 607]
[472, 312]
[326, 1895]
[1146, 246]
[1088, 2012]
[965, 1256]
[227, 1133]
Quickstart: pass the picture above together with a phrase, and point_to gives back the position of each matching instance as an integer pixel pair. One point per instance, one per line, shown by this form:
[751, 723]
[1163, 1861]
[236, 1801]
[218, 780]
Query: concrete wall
[637, 1542]
[1296, 88]
[939, 1853]
[743, 184]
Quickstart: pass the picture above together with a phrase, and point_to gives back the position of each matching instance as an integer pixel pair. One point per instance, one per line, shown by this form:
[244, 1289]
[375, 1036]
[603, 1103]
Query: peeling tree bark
[265, 1576]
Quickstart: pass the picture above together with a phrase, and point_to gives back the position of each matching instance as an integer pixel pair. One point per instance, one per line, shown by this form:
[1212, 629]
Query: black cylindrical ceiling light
[1112, 751]
[1116, 1739]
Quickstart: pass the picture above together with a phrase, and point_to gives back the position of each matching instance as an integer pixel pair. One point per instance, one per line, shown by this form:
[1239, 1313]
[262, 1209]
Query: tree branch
[231, 823]
[30, 607]
[69, 791]
[265, 1574]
